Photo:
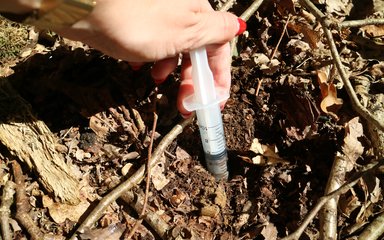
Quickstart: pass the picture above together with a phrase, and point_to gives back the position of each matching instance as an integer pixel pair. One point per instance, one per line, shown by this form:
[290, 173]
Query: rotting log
[31, 141]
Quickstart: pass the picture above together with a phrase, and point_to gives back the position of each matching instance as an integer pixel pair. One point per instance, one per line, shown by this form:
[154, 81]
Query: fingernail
[242, 26]
[185, 116]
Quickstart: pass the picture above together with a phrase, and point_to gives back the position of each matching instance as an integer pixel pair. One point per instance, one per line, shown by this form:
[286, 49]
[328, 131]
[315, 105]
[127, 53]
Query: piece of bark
[31, 141]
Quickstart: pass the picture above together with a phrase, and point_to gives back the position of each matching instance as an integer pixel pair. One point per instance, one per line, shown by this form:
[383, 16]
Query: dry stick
[273, 53]
[227, 5]
[343, 189]
[5, 209]
[23, 205]
[339, 65]
[328, 214]
[374, 230]
[360, 23]
[153, 218]
[245, 16]
[148, 180]
[281, 38]
[135, 179]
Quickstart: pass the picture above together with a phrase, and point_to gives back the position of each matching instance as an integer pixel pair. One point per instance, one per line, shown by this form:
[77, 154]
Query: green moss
[13, 39]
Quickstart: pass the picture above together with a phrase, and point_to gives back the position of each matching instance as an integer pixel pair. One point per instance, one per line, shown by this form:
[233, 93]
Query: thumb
[219, 27]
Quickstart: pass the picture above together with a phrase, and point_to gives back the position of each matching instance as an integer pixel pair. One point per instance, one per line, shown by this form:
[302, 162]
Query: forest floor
[290, 126]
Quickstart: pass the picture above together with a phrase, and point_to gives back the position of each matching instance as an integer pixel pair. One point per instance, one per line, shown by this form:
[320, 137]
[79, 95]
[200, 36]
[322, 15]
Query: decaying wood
[31, 141]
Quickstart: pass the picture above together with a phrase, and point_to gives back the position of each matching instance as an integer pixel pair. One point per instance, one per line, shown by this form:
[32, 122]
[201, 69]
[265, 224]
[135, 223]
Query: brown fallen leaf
[352, 147]
[269, 232]
[330, 103]
[373, 30]
[310, 35]
[159, 179]
[59, 212]
[265, 154]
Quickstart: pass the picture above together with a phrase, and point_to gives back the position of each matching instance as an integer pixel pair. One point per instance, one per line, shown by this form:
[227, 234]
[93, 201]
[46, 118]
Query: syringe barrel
[213, 139]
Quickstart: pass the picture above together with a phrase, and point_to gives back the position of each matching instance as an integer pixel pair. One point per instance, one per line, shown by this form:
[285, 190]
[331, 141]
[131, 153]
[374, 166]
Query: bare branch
[148, 180]
[135, 179]
[361, 23]
[374, 230]
[328, 215]
[245, 16]
[370, 169]
[357, 106]
[227, 5]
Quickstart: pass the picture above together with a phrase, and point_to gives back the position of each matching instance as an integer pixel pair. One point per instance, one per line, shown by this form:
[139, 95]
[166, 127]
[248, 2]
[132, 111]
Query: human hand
[146, 31]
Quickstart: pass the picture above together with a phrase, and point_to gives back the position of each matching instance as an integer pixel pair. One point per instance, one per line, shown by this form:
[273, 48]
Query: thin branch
[152, 218]
[374, 230]
[5, 209]
[245, 16]
[148, 180]
[328, 214]
[135, 179]
[251, 10]
[226, 6]
[361, 23]
[357, 106]
[370, 169]
[281, 38]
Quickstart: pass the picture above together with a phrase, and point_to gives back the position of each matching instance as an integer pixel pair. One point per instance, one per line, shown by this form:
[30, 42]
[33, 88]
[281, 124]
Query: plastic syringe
[206, 102]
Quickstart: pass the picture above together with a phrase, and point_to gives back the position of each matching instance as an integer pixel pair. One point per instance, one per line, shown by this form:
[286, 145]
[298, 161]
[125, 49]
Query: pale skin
[155, 31]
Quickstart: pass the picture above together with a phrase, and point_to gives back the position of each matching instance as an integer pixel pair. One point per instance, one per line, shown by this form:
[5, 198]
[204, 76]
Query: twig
[340, 68]
[374, 230]
[135, 179]
[251, 10]
[258, 87]
[156, 221]
[281, 38]
[360, 23]
[227, 5]
[5, 209]
[23, 206]
[344, 188]
[328, 214]
[245, 16]
[148, 180]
